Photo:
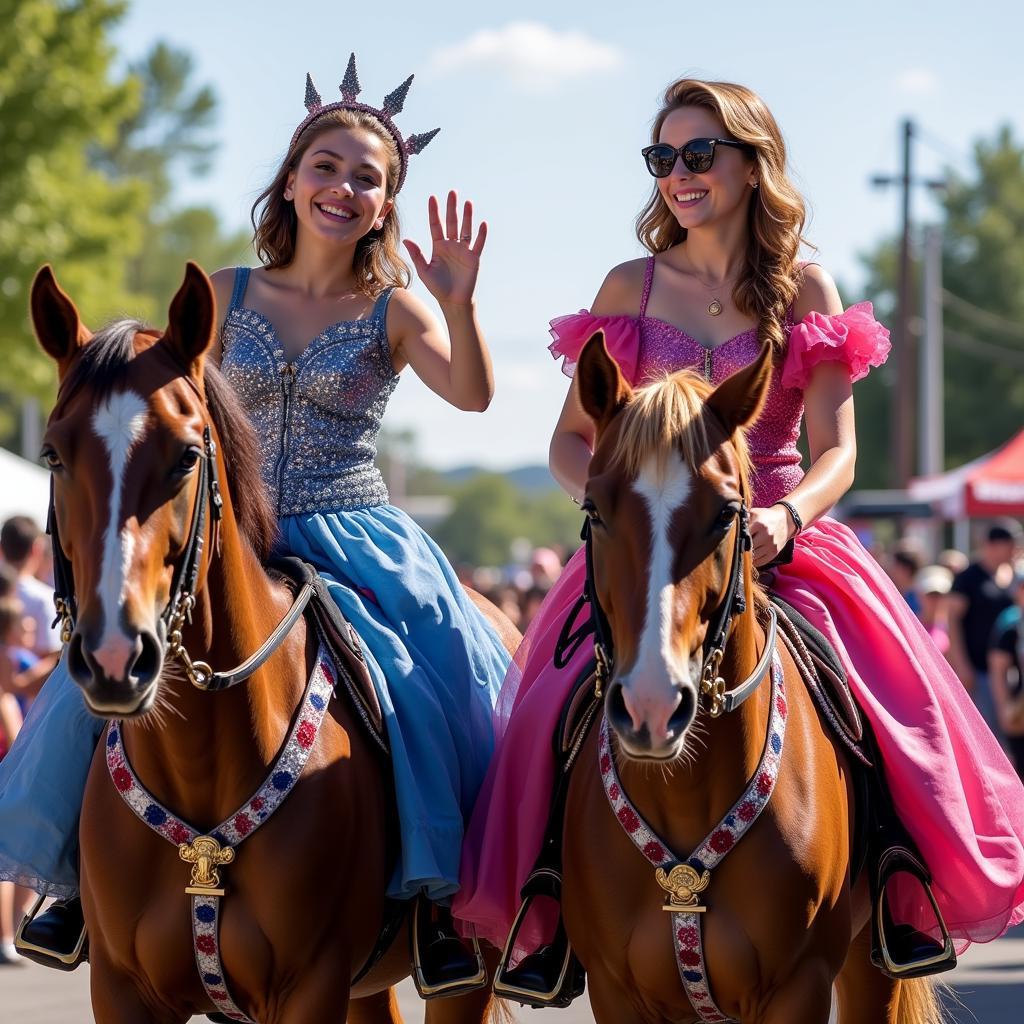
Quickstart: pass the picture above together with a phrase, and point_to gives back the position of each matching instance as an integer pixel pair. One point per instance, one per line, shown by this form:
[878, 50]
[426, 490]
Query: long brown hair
[377, 262]
[768, 282]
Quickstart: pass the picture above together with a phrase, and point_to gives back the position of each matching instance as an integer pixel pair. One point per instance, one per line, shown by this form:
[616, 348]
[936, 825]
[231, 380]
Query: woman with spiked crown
[314, 341]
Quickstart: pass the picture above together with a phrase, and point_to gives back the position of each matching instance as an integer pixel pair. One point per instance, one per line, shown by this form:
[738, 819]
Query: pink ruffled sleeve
[621, 336]
[855, 338]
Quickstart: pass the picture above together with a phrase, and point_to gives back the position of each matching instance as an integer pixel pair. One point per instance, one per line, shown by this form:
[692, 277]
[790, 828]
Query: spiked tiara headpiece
[393, 103]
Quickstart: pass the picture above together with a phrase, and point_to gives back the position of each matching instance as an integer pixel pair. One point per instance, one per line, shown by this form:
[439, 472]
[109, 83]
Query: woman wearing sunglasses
[723, 228]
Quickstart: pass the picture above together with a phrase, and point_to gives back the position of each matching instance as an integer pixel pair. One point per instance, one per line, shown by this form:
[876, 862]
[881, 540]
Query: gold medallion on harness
[682, 884]
[205, 855]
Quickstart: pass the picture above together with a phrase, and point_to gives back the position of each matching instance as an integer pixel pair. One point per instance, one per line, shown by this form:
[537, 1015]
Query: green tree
[491, 512]
[170, 131]
[487, 517]
[983, 277]
[58, 98]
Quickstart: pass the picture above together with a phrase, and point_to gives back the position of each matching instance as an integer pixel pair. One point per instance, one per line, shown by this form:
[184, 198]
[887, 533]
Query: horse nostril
[149, 660]
[78, 663]
[617, 711]
[680, 719]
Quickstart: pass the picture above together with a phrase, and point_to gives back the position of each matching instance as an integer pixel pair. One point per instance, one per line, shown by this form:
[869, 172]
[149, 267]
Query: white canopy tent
[24, 488]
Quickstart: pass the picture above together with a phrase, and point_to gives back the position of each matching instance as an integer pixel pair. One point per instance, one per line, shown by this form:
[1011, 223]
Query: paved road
[989, 982]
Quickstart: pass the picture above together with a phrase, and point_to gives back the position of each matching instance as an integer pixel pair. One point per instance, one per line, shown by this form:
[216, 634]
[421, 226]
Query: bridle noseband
[733, 603]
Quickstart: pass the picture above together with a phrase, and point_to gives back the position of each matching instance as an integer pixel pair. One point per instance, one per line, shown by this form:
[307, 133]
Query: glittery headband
[393, 103]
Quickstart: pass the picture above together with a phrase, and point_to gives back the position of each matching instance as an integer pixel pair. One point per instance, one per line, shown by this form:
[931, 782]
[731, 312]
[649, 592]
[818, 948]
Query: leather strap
[218, 681]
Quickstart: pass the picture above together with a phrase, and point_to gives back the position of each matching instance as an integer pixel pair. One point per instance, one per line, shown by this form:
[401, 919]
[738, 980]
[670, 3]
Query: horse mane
[668, 416]
[103, 365]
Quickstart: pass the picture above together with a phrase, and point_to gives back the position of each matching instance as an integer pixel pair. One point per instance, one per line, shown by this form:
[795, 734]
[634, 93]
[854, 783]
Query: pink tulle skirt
[953, 787]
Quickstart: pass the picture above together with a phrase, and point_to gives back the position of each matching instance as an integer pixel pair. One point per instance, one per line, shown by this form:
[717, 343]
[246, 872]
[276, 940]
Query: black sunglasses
[698, 155]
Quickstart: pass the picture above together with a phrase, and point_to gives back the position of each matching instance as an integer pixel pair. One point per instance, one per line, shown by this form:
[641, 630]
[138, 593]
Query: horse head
[132, 451]
[667, 494]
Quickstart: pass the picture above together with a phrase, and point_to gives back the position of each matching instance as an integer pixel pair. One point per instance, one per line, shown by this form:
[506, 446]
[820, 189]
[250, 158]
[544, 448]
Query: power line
[946, 150]
[985, 349]
[982, 316]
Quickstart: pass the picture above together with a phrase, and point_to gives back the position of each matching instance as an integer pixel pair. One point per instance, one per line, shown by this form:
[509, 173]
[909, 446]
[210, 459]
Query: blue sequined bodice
[318, 417]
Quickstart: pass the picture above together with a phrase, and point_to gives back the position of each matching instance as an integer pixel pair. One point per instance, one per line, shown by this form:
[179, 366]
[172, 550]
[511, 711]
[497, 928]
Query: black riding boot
[57, 938]
[551, 975]
[443, 965]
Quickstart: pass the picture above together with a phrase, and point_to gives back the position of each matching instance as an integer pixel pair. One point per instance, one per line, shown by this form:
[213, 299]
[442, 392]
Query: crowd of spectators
[973, 610]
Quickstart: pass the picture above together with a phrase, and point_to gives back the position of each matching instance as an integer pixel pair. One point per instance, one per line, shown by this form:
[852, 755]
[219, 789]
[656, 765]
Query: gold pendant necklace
[715, 307]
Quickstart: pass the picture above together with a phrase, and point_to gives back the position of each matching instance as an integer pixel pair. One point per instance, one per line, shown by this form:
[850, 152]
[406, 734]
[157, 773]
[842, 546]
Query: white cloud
[917, 82]
[534, 56]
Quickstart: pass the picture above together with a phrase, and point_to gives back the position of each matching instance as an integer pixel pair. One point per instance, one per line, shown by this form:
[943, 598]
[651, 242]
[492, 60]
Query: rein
[712, 685]
[209, 503]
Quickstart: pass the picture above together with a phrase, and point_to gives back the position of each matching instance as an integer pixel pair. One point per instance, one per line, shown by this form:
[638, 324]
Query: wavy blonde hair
[768, 283]
[666, 418]
[377, 262]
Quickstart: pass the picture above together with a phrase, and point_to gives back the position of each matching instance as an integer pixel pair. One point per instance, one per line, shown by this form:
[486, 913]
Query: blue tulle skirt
[437, 664]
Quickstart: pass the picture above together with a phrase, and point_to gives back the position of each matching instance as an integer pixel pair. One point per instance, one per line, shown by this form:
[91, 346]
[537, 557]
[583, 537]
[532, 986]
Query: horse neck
[212, 750]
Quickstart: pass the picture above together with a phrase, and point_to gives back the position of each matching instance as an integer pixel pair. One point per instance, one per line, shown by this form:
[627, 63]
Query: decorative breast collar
[684, 879]
[207, 853]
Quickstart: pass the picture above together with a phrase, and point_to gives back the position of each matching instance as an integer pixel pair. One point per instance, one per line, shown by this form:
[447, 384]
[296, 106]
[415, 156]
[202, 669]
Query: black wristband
[794, 515]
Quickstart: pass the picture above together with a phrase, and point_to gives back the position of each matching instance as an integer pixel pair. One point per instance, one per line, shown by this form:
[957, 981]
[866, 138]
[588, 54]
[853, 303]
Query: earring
[754, 184]
[378, 225]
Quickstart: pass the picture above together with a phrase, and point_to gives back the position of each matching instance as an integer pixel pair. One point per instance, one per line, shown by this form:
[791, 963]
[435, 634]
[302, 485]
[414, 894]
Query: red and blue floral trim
[284, 773]
[686, 927]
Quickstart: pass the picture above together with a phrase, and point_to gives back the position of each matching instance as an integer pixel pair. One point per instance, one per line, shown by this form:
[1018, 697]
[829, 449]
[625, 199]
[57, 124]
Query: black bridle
[734, 602]
[208, 505]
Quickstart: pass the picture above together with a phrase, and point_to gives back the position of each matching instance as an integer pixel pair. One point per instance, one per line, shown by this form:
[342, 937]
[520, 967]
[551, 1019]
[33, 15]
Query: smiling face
[723, 192]
[340, 187]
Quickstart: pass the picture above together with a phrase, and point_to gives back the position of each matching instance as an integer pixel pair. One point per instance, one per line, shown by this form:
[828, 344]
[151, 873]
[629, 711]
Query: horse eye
[590, 509]
[188, 461]
[726, 517]
[51, 458]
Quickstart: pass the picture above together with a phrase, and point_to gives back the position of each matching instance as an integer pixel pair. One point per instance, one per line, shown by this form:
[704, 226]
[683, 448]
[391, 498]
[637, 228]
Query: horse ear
[55, 319]
[603, 390]
[737, 401]
[190, 321]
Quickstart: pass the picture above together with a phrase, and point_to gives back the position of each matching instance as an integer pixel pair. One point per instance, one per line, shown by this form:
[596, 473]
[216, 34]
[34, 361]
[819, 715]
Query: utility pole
[903, 417]
[932, 439]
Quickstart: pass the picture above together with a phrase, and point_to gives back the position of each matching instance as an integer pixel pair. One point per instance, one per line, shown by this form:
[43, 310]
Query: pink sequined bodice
[646, 348]
[664, 348]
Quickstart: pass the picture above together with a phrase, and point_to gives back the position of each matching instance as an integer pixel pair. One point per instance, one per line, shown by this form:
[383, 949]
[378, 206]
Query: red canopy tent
[987, 487]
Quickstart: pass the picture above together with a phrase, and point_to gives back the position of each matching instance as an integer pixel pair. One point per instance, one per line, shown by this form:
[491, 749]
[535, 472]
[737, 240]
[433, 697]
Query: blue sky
[543, 113]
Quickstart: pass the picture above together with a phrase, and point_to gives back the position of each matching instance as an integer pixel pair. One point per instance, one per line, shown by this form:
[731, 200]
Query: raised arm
[454, 364]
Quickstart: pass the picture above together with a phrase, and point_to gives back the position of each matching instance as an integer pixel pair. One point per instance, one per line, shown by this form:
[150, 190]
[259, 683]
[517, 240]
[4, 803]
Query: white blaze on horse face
[120, 423]
[651, 688]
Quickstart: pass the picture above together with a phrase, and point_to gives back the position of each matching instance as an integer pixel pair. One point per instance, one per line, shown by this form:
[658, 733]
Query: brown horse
[666, 498]
[128, 447]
